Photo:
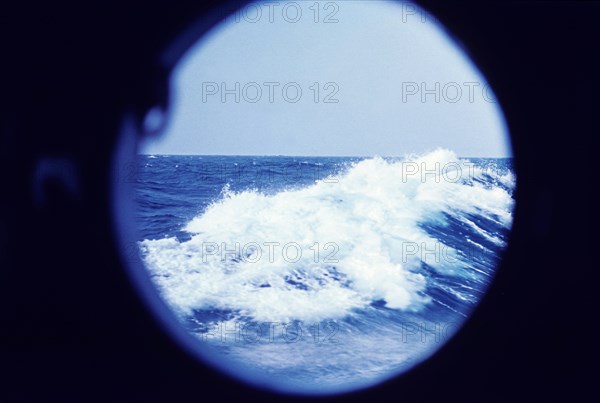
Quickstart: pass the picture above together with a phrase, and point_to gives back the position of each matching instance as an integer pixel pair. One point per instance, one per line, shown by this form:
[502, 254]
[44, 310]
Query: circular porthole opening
[329, 199]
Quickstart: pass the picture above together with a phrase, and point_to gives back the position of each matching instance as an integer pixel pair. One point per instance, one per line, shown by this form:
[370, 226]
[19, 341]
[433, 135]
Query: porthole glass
[330, 198]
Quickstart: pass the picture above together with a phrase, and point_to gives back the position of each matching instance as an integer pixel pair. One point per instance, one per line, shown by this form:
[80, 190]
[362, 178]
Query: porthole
[329, 199]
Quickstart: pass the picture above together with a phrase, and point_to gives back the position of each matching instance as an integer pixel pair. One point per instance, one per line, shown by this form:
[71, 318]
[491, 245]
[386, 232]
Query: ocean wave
[334, 247]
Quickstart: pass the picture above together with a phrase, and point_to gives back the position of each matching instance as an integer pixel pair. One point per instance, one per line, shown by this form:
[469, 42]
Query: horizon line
[303, 156]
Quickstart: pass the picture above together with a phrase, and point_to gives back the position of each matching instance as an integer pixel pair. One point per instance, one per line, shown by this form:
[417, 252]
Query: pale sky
[373, 60]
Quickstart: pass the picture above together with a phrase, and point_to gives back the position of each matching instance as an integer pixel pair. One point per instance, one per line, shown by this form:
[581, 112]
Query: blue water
[383, 263]
[174, 189]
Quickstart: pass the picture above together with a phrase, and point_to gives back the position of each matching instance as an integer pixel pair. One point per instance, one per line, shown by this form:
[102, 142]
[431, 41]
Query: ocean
[323, 272]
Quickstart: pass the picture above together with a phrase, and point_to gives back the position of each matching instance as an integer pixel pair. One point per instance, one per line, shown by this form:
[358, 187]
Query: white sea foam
[367, 215]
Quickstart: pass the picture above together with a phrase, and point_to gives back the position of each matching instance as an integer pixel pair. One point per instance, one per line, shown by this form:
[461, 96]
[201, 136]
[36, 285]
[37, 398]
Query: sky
[344, 78]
